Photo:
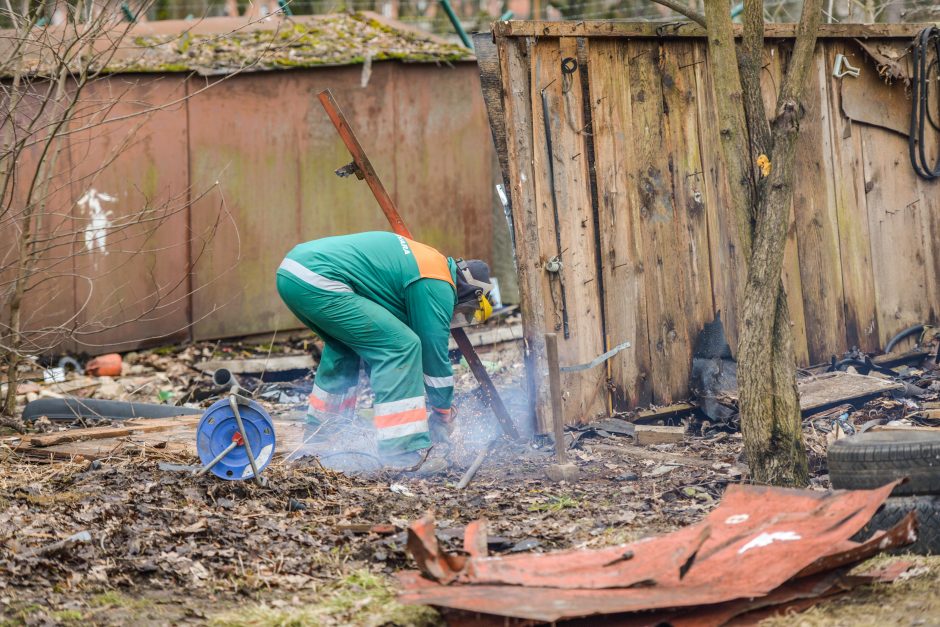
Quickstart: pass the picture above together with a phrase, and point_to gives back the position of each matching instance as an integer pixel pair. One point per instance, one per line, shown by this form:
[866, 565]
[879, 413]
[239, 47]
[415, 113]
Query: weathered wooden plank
[620, 239]
[652, 195]
[517, 104]
[775, 61]
[654, 153]
[861, 318]
[689, 234]
[484, 49]
[867, 98]
[256, 365]
[573, 292]
[645, 435]
[589, 395]
[728, 267]
[99, 433]
[650, 416]
[176, 437]
[929, 194]
[833, 388]
[894, 215]
[930, 217]
[816, 221]
[607, 28]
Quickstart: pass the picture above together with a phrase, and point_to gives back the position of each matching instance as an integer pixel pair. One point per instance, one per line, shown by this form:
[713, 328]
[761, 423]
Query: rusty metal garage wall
[231, 175]
[269, 144]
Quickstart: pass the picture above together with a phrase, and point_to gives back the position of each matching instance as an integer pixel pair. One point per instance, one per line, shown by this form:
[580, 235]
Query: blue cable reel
[223, 432]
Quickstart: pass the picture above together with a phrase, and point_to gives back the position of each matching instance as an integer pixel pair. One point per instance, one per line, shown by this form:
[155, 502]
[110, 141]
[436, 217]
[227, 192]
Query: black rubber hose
[69, 409]
[917, 328]
[67, 362]
[920, 91]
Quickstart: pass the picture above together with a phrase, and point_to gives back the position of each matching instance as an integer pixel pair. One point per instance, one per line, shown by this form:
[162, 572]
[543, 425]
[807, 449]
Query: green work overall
[387, 300]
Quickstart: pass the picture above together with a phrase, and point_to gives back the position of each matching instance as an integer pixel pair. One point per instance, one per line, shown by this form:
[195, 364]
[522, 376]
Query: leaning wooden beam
[363, 169]
[102, 433]
[603, 28]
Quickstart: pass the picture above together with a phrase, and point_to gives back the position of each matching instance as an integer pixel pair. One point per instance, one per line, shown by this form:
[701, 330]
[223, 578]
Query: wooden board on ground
[823, 391]
[130, 427]
[492, 336]
[894, 428]
[260, 364]
[654, 434]
[833, 388]
[172, 437]
[648, 416]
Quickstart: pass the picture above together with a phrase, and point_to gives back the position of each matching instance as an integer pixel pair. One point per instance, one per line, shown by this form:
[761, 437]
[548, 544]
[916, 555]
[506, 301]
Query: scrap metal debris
[719, 562]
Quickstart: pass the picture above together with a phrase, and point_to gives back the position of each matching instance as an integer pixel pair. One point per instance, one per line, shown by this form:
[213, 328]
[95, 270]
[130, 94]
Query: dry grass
[360, 598]
[913, 601]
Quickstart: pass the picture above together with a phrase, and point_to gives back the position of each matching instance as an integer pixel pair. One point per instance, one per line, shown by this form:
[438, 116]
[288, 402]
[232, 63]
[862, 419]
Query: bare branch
[683, 9]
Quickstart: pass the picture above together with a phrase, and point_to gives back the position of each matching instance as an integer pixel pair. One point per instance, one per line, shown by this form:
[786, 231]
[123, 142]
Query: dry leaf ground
[169, 548]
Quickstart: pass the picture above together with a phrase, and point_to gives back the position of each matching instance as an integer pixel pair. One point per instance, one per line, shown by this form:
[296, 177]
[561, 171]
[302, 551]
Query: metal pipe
[228, 449]
[224, 378]
[449, 10]
[233, 403]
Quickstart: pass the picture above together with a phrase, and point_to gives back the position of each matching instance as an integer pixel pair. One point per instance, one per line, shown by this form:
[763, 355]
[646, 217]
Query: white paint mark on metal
[766, 539]
[737, 519]
[96, 233]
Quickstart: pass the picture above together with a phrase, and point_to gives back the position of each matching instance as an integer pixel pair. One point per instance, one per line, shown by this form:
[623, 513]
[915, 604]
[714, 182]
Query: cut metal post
[554, 385]
[365, 166]
[490, 394]
[233, 403]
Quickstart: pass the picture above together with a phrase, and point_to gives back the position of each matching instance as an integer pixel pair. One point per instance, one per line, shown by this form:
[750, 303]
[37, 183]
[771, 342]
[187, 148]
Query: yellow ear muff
[484, 311]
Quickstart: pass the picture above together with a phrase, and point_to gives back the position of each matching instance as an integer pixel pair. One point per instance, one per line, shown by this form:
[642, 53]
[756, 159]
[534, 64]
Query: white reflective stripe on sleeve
[312, 278]
[409, 428]
[394, 407]
[439, 382]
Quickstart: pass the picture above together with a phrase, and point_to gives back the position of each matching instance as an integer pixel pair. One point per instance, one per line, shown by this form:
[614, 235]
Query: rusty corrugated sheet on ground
[798, 533]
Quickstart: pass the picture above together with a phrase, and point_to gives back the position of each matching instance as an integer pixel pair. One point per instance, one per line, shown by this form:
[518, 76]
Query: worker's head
[473, 288]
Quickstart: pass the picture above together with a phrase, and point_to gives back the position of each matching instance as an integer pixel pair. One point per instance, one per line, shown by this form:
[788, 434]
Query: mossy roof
[215, 46]
[308, 41]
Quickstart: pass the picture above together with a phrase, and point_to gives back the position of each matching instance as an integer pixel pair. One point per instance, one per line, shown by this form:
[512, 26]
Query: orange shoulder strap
[431, 263]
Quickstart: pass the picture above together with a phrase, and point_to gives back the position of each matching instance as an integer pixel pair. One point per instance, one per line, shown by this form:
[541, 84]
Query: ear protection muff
[484, 309]
[468, 277]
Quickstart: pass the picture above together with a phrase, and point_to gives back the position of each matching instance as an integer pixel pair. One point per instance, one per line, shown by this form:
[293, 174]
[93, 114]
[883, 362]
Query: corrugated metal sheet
[758, 539]
[255, 153]
[131, 174]
[274, 152]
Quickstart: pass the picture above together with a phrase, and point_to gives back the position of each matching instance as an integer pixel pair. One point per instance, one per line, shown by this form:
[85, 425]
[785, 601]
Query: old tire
[870, 460]
[928, 522]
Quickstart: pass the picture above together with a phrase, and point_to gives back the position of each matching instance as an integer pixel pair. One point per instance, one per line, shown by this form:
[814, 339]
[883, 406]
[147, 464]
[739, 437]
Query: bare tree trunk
[769, 402]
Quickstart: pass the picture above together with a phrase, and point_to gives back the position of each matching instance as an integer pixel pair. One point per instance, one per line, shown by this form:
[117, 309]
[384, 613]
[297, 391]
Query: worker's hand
[441, 425]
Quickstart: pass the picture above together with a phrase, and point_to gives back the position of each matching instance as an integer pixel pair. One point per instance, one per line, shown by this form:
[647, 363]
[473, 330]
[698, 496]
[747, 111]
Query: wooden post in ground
[554, 386]
[561, 470]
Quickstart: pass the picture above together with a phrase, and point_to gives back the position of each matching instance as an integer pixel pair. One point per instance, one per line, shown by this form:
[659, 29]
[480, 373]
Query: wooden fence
[632, 198]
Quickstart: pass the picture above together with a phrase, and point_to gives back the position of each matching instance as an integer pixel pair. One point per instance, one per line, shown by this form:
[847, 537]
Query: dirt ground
[120, 540]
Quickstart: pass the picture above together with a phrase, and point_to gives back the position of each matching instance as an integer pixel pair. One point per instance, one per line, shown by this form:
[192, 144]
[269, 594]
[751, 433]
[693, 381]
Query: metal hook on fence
[842, 67]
